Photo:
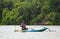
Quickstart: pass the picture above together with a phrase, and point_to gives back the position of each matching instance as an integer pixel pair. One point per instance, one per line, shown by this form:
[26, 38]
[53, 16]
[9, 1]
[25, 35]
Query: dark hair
[23, 21]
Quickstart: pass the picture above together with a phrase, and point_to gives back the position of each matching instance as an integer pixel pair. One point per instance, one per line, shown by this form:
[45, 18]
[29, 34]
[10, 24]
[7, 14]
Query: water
[7, 32]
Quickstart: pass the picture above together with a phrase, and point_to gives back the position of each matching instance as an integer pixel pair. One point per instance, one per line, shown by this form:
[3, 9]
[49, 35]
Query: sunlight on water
[7, 32]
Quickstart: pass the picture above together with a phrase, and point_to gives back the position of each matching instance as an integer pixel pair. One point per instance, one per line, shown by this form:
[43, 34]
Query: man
[23, 26]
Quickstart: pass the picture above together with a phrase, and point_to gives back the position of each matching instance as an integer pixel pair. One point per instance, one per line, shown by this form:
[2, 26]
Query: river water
[7, 32]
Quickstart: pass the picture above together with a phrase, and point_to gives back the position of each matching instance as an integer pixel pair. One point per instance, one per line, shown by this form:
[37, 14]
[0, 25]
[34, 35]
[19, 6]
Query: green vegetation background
[13, 12]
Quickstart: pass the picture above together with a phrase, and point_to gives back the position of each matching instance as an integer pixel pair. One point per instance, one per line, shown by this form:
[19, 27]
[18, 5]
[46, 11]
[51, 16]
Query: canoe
[40, 30]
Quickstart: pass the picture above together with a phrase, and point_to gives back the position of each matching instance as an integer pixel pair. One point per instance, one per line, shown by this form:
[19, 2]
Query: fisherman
[23, 26]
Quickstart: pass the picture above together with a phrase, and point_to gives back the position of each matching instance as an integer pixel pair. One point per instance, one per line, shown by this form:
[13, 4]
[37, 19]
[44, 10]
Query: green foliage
[53, 18]
[38, 18]
[32, 11]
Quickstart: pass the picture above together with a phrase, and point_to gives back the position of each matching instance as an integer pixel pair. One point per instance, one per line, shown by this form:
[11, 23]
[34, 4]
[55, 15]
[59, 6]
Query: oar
[15, 29]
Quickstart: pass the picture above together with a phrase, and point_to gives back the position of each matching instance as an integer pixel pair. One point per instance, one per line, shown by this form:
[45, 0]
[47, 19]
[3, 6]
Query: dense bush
[13, 12]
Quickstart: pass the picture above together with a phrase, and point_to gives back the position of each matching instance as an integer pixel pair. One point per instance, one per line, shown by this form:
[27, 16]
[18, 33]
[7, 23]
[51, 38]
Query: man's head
[23, 21]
